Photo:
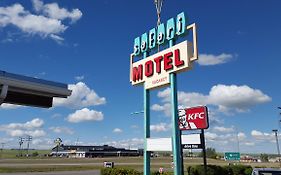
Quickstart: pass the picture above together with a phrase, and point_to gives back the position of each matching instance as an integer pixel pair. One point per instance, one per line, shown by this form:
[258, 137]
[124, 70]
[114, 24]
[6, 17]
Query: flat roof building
[92, 151]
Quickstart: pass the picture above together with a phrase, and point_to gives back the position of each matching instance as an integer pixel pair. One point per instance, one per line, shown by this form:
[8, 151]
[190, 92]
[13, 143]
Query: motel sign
[160, 70]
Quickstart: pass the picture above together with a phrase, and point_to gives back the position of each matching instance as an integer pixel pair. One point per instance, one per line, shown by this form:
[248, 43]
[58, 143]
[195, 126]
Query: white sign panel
[161, 144]
[154, 70]
[165, 144]
[191, 139]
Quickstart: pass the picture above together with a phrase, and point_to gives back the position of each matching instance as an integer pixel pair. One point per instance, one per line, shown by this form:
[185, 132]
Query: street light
[277, 144]
[137, 112]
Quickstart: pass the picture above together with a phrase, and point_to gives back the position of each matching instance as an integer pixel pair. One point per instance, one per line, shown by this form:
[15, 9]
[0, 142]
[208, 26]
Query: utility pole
[28, 139]
[277, 144]
[20, 148]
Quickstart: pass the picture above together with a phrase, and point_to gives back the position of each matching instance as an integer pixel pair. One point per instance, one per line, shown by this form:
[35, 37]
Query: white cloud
[20, 133]
[79, 78]
[57, 38]
[223, 129]
[85, 115]
[117, 130]
[166, 108]
[241, 136]
[9, 106]
[29, 23]
[249, 143]
[211, 136]
[53, 10]
[48, 24]
[133, 143]
[43, 143]
[161, 127]
[81, 96]
[241, 98]
[262, 136]
[227, 98]
[35, 123]
[209, 59]
[32, 128]
[59, 130]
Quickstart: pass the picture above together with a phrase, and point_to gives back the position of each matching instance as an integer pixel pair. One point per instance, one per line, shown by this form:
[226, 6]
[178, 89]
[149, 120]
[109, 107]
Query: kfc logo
[193, 118]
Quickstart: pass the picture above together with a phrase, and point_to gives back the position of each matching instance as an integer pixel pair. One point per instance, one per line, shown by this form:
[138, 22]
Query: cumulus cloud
[85, 115]
[262, 136]
[239, 97]
[43, 143]
[223, 129]
[32, 128]
[35, 123]
[20, 133]
[60, 130]
[227, 98]
[47, 23]
[53, 10]
[161, 127]
[81, 96]
[117, 130]
[210, 59]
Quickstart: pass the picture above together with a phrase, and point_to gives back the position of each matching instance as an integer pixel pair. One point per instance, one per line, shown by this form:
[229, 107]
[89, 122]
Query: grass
[45, 169]
[10, 163]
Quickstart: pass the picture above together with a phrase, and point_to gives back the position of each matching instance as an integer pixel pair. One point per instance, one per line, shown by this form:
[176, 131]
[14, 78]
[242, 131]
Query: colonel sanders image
[183, 123]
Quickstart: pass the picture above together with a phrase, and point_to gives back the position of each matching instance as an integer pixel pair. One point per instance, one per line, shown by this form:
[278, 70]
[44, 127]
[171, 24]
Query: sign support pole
[204, 151]
[176, 134]
[146, 154]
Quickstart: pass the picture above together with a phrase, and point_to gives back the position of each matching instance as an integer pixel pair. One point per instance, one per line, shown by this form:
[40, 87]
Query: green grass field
[9, 162]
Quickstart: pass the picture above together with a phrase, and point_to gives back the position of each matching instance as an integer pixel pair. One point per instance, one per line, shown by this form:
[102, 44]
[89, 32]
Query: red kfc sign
[193, 118]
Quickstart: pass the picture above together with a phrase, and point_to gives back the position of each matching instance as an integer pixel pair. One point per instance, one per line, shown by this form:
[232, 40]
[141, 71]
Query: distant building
[248, 159]
[77, 151]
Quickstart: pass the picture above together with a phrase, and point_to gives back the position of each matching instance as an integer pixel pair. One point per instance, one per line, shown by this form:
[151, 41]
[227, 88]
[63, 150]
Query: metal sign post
[176, 134]
[146, 154]
[204, 151]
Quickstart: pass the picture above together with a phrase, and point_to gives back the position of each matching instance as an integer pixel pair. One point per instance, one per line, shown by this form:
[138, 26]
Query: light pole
[277, 144]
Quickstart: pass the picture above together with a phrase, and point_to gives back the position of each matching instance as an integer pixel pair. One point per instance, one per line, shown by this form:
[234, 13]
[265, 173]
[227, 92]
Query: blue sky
[87, 45]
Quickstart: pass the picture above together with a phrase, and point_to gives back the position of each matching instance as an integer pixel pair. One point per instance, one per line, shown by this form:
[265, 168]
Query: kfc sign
[154, 70]
[193, 118]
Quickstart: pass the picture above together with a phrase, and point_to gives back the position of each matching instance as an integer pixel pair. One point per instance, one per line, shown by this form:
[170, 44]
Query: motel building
[79, 151]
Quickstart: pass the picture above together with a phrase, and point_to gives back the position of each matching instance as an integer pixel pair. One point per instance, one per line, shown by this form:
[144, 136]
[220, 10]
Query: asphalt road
[91, 172]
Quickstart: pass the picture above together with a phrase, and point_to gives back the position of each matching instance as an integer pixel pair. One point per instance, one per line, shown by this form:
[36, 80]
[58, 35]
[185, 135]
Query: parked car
[266, 171]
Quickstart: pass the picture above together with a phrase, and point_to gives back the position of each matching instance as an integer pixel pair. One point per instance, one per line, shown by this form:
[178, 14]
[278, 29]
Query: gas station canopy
[29, 91]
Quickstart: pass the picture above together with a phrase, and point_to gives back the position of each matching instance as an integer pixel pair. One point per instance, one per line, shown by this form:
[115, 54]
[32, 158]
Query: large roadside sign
[232, 156]
[193, 118]
[191, 141]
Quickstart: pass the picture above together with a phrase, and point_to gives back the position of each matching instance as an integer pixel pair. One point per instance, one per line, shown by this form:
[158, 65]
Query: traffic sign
[232, 156]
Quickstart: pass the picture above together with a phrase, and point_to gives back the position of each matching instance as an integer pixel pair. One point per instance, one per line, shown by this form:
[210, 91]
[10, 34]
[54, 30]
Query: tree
[210, 153]
[264, 157]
